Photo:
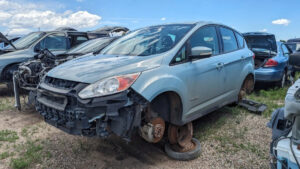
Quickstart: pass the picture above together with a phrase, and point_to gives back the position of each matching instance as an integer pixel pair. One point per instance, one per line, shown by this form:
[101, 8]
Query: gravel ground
[230, 138]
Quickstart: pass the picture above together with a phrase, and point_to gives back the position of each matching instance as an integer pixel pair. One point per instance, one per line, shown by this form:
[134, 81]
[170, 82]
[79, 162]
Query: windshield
[148, 41]
[90, 46]
[264, 43]
[27, 40]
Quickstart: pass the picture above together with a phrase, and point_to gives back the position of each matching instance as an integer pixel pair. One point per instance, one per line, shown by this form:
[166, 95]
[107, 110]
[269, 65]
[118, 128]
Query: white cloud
[285, 22]
[26, 17]
[263, 30]
[163, 19]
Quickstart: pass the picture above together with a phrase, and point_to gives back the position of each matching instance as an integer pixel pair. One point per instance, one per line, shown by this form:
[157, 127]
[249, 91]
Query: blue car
[271, 58]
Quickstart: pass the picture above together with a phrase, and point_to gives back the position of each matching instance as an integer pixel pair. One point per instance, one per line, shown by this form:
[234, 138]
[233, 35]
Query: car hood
[16, 54]
[90, 68]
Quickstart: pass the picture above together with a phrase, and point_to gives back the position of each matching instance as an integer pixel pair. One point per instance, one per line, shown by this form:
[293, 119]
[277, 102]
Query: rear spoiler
[4, 39]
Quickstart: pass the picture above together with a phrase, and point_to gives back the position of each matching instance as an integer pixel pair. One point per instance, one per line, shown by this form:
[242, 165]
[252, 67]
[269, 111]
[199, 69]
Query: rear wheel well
[249, 87]
[168, 105]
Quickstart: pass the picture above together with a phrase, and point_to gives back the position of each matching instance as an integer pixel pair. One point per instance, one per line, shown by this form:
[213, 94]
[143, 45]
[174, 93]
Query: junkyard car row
[154, 81]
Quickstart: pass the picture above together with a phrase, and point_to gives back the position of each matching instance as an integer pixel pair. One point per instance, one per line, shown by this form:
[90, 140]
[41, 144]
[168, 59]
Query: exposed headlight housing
[108, 86]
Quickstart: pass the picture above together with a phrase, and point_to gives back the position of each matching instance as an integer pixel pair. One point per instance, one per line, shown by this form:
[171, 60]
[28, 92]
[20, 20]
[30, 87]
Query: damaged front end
[58, 102]
[29, 73]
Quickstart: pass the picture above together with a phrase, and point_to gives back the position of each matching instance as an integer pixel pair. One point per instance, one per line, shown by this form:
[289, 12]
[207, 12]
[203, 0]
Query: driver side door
[202, 75]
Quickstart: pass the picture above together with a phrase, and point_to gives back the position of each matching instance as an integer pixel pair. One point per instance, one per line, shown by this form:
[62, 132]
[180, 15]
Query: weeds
[6, 103]
[8, 136]
[33, 154]
[5, 155]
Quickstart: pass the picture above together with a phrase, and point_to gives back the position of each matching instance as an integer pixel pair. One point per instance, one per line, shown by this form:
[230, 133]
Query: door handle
[243, 57]
[220, 65]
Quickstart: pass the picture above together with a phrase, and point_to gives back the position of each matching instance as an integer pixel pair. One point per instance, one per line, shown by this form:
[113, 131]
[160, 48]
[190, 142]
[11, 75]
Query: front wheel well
[6, 75]
[168, 105]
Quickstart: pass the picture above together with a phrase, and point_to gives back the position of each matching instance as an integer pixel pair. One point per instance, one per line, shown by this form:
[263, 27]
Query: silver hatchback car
[167, 74]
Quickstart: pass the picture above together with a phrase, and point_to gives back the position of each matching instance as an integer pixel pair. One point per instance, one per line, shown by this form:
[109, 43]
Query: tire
[185, 156]
[283, 80]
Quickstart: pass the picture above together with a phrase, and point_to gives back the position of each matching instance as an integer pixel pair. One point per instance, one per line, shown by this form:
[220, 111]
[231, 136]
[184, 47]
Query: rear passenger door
[234, 59]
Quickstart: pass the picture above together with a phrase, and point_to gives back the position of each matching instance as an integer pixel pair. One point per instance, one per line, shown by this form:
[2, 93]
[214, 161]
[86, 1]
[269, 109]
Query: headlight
[108, 86]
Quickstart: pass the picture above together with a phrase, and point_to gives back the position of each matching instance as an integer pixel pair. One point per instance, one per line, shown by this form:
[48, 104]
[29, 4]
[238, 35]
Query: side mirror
[201, 52]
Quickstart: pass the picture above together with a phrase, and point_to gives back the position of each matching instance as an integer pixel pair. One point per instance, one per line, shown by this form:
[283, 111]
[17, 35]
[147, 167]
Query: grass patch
[273, 98]
[5, 155]
[210, 124]
[6, 103]
[9, 136]
[24, 132]
[33, 154]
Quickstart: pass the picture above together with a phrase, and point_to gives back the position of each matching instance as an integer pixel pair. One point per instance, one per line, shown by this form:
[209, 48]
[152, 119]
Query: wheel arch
[169, 105]
[5, 69]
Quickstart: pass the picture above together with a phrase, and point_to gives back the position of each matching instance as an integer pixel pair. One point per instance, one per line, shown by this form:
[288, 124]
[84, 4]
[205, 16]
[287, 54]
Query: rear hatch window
[263, 46]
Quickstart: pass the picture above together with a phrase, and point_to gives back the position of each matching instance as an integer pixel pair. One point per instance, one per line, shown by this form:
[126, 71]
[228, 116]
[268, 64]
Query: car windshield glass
[262, 42]
[27, 40]
[89, 46]
[148, 41]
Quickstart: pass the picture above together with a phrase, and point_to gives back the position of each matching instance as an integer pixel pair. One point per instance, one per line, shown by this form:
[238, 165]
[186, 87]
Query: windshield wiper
[4, 39]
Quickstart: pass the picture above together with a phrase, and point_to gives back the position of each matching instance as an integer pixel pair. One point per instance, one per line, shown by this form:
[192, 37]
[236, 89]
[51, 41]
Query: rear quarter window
[240, 40]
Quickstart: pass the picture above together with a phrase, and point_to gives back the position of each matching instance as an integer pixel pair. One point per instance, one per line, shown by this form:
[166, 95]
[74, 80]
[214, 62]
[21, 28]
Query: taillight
[253, 56]
[271, 63]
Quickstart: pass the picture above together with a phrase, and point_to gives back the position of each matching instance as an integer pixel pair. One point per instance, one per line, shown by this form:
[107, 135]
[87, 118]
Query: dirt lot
[230, 137]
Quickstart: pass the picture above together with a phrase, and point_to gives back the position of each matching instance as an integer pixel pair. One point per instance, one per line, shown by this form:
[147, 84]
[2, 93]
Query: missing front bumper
[118, 114]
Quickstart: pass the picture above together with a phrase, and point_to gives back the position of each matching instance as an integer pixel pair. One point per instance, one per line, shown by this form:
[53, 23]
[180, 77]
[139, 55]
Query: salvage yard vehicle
[154, 77]
[271, 58]
[26, 47]
[294, 45]
[29, 73]
[285, 125]
[4, 43]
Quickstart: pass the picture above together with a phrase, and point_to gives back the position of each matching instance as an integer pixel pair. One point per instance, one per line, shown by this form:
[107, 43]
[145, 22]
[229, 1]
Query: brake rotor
[180, 137]
[158, 129]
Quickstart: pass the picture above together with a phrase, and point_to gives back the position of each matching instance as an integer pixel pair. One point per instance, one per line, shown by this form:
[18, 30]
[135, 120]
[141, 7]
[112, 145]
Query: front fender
[151, 83]
[4, 63]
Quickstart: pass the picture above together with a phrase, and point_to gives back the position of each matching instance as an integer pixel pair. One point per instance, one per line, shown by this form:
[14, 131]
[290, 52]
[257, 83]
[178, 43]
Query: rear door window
[229, 41]
[76, 40]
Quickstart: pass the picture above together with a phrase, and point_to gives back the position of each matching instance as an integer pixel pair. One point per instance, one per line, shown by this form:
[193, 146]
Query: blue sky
[243, 15]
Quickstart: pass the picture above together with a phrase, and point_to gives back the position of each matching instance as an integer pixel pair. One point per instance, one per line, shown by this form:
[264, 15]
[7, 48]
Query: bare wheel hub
[180, 137]
[153, 131]
[247, 88]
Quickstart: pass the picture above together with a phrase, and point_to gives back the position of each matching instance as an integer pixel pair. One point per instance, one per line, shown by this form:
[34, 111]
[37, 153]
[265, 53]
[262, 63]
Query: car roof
[257, 34]
[294, 40]
[55, 31]
[108, 29]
